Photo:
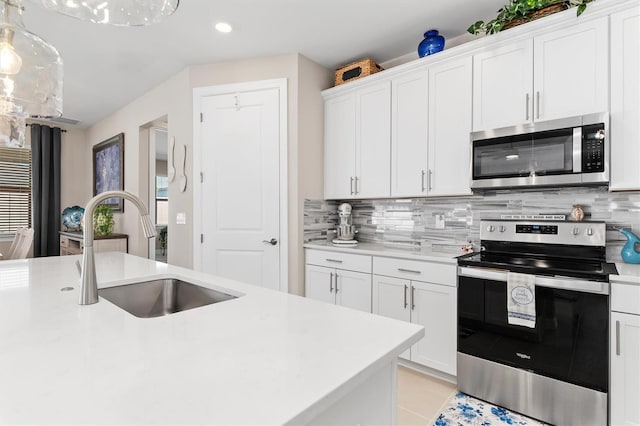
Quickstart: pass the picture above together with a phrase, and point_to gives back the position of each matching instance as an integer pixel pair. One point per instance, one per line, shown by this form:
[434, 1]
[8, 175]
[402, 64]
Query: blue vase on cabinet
[432, 43]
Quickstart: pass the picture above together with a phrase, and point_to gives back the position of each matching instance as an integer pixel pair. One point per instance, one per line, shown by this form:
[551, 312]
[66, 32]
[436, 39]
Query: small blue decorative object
[432, 43]
[72, 218]
[629, 252]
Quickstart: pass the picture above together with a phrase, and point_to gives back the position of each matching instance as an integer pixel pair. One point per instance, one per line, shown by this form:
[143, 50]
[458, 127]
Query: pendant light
[115, 12]
[30, 70]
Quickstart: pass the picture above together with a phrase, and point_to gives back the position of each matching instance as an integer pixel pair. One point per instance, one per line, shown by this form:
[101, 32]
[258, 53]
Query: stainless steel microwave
[567, 152]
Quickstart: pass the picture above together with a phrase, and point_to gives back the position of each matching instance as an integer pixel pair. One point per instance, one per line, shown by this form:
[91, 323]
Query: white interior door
[240, 198]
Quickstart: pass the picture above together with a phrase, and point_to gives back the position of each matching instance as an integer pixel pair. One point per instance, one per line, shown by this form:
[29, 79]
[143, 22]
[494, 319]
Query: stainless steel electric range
[558, 369]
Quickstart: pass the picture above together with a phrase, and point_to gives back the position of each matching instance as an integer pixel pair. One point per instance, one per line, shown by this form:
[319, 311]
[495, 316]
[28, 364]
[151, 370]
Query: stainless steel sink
[161, 297]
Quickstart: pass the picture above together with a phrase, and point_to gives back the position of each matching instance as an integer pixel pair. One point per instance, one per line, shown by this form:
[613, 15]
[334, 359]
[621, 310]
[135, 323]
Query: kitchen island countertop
[263, 358]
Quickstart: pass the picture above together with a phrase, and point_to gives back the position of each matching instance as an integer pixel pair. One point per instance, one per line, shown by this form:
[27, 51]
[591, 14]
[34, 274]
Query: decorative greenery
[163, 239]
[103, 220]
[521, 9]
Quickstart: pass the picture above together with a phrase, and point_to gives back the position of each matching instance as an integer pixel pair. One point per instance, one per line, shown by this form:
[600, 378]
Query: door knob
[272, 241]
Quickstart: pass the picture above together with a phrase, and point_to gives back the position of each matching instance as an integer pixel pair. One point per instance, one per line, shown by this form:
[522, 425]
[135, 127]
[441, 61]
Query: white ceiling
[106, 67]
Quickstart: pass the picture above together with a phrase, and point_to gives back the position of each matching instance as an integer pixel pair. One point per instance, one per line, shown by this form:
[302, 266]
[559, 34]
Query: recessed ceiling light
[223, 27]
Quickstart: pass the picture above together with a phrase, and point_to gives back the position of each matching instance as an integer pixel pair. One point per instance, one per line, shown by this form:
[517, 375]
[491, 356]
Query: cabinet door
[450, 94]
[319, 283]
[373, 146]
[391, 300]
[339, 146]
[409, 109]
[434, 307]
[625, 369]
[625, 100]
[502, 86]
[571, 76]
[353, 290]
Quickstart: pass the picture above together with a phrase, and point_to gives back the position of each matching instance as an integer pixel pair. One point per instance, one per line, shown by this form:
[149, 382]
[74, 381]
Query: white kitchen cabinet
[391, 299]
[570, 74]
[339, 146]
[409, 144]
[431, 305]
[434, 306]
[339, 278]
[556, 75]
[449, 124]
[502, 80]
[357, 143]
[624, 392]
[625, 100]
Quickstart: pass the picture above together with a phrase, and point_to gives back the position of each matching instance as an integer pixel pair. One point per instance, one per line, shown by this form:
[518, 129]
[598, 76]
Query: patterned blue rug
[464, 410]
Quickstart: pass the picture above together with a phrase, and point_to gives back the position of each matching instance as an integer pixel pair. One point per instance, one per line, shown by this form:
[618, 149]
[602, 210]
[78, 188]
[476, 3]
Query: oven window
[569, 342]
[539, 154]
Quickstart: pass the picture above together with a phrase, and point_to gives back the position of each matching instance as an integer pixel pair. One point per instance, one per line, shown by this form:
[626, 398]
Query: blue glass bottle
[432, 43]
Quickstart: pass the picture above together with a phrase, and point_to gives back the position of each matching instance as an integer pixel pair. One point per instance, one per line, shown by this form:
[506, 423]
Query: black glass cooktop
[540, 265]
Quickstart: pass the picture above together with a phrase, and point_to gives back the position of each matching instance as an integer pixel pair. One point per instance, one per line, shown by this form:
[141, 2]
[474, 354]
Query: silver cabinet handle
[333, 260]
[357, 190]
[422, 180]
[272, 241]
[618, 338]
[413, 298]
[336, 275]
[527, 99]
[430, 179]
[331, 282]
[538, 104]
[351, 185]
[405, 296]
[410, 271]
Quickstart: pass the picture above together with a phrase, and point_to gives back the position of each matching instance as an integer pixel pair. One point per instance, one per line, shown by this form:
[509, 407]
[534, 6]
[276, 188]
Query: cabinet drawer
[348, 261]
[625, 298]
[432, 272]
[64, 241]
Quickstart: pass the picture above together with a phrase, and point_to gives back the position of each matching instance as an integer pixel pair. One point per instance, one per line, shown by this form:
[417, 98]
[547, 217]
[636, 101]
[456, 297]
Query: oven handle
[564, 283]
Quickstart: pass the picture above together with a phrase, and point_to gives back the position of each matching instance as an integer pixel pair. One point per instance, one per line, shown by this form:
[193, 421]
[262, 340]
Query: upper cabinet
[449, 127]
[555, 75]
[357, 145]
[570, 71]
[409, 111]
[502, 80]
[625, 100]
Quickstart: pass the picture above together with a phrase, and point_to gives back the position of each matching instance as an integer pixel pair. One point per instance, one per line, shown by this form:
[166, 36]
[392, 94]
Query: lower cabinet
[430, 305]
[625, 369]
[341, 287]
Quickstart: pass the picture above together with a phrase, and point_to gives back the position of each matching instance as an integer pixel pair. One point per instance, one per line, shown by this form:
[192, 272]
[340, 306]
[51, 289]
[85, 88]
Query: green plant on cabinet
[521, 10]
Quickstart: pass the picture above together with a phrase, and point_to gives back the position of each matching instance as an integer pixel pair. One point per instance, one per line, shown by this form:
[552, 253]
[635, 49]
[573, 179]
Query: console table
[73, 243]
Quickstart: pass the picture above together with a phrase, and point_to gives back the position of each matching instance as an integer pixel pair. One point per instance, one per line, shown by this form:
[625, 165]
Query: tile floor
[420, 397]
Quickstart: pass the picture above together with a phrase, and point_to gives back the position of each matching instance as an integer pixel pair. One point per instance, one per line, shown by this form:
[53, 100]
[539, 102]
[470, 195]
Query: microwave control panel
[593, 148]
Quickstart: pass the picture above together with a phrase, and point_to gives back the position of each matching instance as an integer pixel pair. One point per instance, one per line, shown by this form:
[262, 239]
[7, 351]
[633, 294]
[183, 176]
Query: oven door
[568, 343]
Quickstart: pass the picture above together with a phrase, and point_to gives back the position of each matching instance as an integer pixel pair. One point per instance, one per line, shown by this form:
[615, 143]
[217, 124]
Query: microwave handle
[577, 150]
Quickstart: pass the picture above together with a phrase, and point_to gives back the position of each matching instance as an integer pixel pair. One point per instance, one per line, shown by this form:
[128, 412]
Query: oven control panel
[537, 229]
[546, 232]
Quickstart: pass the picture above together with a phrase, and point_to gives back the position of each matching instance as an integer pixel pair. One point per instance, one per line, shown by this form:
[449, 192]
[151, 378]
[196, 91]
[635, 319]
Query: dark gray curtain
[45, 158]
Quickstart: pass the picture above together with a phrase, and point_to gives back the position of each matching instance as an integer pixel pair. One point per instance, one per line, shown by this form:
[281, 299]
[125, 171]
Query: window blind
[15, 189]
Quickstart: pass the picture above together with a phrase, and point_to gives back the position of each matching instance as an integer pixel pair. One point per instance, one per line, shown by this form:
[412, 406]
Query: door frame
[202, 92]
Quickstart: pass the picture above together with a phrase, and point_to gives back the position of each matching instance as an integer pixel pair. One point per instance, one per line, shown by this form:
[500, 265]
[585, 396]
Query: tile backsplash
[446, 224]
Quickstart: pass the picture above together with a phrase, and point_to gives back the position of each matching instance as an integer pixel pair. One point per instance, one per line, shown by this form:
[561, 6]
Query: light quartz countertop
[263, 358]
[381, 250]
[627, 273]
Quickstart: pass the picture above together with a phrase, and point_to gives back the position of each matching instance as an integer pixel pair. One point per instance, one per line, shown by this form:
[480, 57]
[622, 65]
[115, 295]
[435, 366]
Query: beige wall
[174, 98]
[76, 170]
[313, 78]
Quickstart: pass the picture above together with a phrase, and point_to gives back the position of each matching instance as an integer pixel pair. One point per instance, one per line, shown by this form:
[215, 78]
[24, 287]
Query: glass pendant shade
[30, 68]
[115, 12]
